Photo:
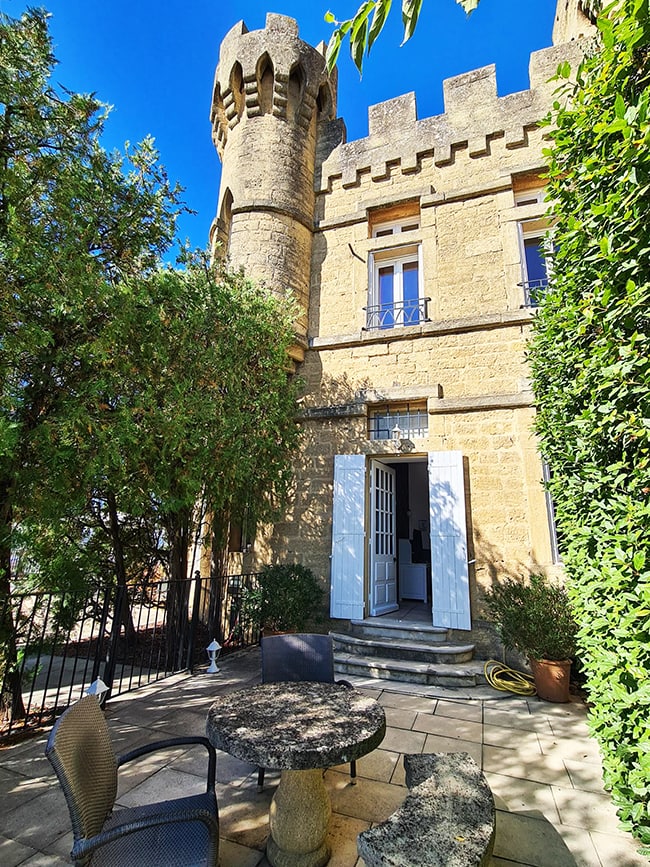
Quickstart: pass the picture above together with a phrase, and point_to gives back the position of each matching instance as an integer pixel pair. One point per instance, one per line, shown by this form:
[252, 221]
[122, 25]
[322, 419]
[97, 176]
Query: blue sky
[154, 62]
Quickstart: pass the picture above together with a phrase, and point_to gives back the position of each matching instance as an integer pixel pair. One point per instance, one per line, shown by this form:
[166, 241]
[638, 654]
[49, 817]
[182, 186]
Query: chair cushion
[178, 844]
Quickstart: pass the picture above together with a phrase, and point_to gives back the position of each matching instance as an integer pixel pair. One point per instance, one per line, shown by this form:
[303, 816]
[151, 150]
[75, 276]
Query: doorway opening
[399, 534]
[400, 553]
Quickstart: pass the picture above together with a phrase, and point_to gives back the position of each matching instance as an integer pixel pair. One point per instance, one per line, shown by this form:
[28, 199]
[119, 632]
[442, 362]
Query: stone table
[298, 728]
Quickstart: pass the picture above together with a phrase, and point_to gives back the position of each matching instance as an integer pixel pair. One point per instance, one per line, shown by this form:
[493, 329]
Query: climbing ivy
[591, 368]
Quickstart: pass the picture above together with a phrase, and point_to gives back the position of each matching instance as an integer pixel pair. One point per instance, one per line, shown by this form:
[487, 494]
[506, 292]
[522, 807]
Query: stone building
[416, 255]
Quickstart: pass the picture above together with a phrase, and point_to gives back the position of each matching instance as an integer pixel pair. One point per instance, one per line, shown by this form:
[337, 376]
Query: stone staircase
[414, 653]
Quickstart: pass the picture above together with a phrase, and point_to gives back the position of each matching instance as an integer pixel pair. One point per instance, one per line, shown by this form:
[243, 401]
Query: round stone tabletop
[296, 726]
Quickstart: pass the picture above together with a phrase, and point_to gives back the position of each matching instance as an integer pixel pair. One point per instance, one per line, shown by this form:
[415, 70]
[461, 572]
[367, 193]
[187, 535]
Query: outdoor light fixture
[98, 688]
[401, 443]
[214, 649]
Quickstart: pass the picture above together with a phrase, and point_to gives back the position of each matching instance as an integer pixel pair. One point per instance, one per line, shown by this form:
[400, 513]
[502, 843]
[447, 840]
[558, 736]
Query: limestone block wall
[460, 176]
[271, 93]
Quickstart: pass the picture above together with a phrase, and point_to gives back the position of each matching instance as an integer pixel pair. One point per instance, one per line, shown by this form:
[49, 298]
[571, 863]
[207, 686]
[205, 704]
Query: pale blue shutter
[449, 569]
[348, 537]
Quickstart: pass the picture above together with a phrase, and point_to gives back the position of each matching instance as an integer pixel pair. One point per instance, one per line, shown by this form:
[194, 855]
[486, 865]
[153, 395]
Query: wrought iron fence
[56, 644]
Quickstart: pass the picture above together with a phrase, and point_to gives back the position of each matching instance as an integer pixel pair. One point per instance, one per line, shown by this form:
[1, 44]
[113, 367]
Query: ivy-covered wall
[590, 357]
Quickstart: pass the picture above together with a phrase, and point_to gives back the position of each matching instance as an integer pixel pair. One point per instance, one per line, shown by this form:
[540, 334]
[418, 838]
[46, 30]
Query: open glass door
[383, 555]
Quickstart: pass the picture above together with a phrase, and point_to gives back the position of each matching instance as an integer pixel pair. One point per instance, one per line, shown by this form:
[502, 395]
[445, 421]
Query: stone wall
[460, 176]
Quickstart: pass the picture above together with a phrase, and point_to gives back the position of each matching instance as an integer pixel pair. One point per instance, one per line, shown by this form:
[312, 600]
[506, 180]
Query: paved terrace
[543, 769]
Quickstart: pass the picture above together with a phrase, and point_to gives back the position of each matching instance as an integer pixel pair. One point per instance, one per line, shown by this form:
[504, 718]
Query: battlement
[474, 115]
[269, 71]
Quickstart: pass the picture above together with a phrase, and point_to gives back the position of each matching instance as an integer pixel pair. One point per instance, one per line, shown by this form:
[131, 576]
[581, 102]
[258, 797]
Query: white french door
[383, 554]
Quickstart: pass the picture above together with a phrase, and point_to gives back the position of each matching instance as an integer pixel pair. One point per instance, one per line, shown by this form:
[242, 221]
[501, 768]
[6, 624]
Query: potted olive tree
[286, 597]
[534, 617]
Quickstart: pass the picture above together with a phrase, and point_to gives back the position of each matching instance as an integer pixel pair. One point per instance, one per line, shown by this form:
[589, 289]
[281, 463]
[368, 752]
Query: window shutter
[449, 569]
[348, 537]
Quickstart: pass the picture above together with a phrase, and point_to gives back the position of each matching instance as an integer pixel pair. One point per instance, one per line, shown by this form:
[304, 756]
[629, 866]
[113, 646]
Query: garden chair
[299, 656]
[175, 833]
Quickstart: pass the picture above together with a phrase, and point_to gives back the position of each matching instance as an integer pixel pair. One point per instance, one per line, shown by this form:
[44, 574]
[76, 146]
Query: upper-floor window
[395, 286]
[529, 197]
[536, 255]
[399, 421]
[395, 227]
[395, 296]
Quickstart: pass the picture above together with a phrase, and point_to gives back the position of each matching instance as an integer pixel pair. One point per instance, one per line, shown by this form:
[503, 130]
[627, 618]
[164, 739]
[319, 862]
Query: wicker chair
[178, 833]
[299, 656]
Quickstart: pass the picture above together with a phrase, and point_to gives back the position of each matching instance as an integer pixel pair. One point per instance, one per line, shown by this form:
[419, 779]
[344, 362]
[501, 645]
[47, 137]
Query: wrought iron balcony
[397, 314]
[534, 291]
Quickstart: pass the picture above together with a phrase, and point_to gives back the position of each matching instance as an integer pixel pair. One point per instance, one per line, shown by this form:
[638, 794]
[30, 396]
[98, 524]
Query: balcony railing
[534, 291]
[394, 315]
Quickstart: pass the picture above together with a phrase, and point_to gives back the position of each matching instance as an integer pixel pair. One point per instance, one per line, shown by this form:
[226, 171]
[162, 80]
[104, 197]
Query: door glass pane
[535, 264]
[386, 296]
[410, 291]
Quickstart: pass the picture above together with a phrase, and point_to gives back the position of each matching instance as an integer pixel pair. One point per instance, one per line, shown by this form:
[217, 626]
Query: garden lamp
[214, 649]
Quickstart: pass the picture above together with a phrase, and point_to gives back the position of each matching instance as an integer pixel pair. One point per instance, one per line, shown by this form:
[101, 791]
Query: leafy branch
[368, 22]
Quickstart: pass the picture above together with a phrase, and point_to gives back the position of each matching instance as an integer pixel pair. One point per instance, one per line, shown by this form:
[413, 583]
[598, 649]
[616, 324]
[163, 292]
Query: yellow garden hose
[505, 679]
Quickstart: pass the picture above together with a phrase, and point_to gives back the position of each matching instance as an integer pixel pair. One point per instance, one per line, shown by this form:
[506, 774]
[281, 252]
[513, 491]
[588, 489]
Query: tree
[192, 403]
[73, 224]
[591, 368]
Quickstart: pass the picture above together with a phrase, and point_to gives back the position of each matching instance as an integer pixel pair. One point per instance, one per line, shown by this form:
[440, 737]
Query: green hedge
[590, 357]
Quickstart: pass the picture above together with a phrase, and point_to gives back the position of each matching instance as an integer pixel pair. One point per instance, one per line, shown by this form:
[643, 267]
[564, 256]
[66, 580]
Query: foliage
[286, 598]
[74, 221]
[364, 29]
[129, 391]
[590, 358]
[534, 618]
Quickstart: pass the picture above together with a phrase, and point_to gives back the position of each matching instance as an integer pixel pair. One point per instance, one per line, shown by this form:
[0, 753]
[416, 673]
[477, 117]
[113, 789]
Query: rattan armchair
[174, 833]
[299, 656]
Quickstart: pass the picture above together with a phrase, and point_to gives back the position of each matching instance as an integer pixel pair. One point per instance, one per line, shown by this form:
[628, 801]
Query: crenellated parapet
[474, 116]
[270, 71]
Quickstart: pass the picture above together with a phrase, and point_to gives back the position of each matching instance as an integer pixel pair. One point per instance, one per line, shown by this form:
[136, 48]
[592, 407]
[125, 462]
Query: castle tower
[574, 19]
[271, 95]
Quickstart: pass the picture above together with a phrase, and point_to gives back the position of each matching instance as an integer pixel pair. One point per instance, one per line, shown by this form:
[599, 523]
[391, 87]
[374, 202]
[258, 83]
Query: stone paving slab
[541, 763]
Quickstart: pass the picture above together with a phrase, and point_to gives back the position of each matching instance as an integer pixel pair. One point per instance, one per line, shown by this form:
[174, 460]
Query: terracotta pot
[551, 678]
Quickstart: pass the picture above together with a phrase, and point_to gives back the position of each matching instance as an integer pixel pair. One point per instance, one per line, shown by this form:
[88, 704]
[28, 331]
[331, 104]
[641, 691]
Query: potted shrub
[535, 618]
[286, 597]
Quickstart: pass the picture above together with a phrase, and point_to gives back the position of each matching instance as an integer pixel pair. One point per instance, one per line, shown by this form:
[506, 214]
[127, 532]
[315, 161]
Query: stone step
[392, 629]
[466, 674]
[399, 648]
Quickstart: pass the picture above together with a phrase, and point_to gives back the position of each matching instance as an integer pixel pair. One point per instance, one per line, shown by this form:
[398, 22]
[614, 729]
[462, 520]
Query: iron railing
[56, 644]
[395, 314]
[534, 291]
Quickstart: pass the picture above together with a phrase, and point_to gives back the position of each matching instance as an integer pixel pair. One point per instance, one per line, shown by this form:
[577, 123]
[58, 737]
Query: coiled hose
[505, 679]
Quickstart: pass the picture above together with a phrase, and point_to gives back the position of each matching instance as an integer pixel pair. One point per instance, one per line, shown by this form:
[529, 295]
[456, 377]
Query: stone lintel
[347, 410]
[479, 403]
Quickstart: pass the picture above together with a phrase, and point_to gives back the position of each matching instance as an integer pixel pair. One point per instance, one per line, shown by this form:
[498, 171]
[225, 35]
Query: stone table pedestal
[298, 728]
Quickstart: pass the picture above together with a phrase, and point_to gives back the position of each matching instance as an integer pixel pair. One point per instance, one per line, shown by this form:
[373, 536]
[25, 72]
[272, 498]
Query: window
[536, 251]
[384, 229]
[411, 419]
[529, 197]
[395, 295]
[550, 511]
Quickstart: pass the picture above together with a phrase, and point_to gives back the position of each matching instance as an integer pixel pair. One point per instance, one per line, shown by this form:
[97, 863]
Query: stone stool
[446, 820]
